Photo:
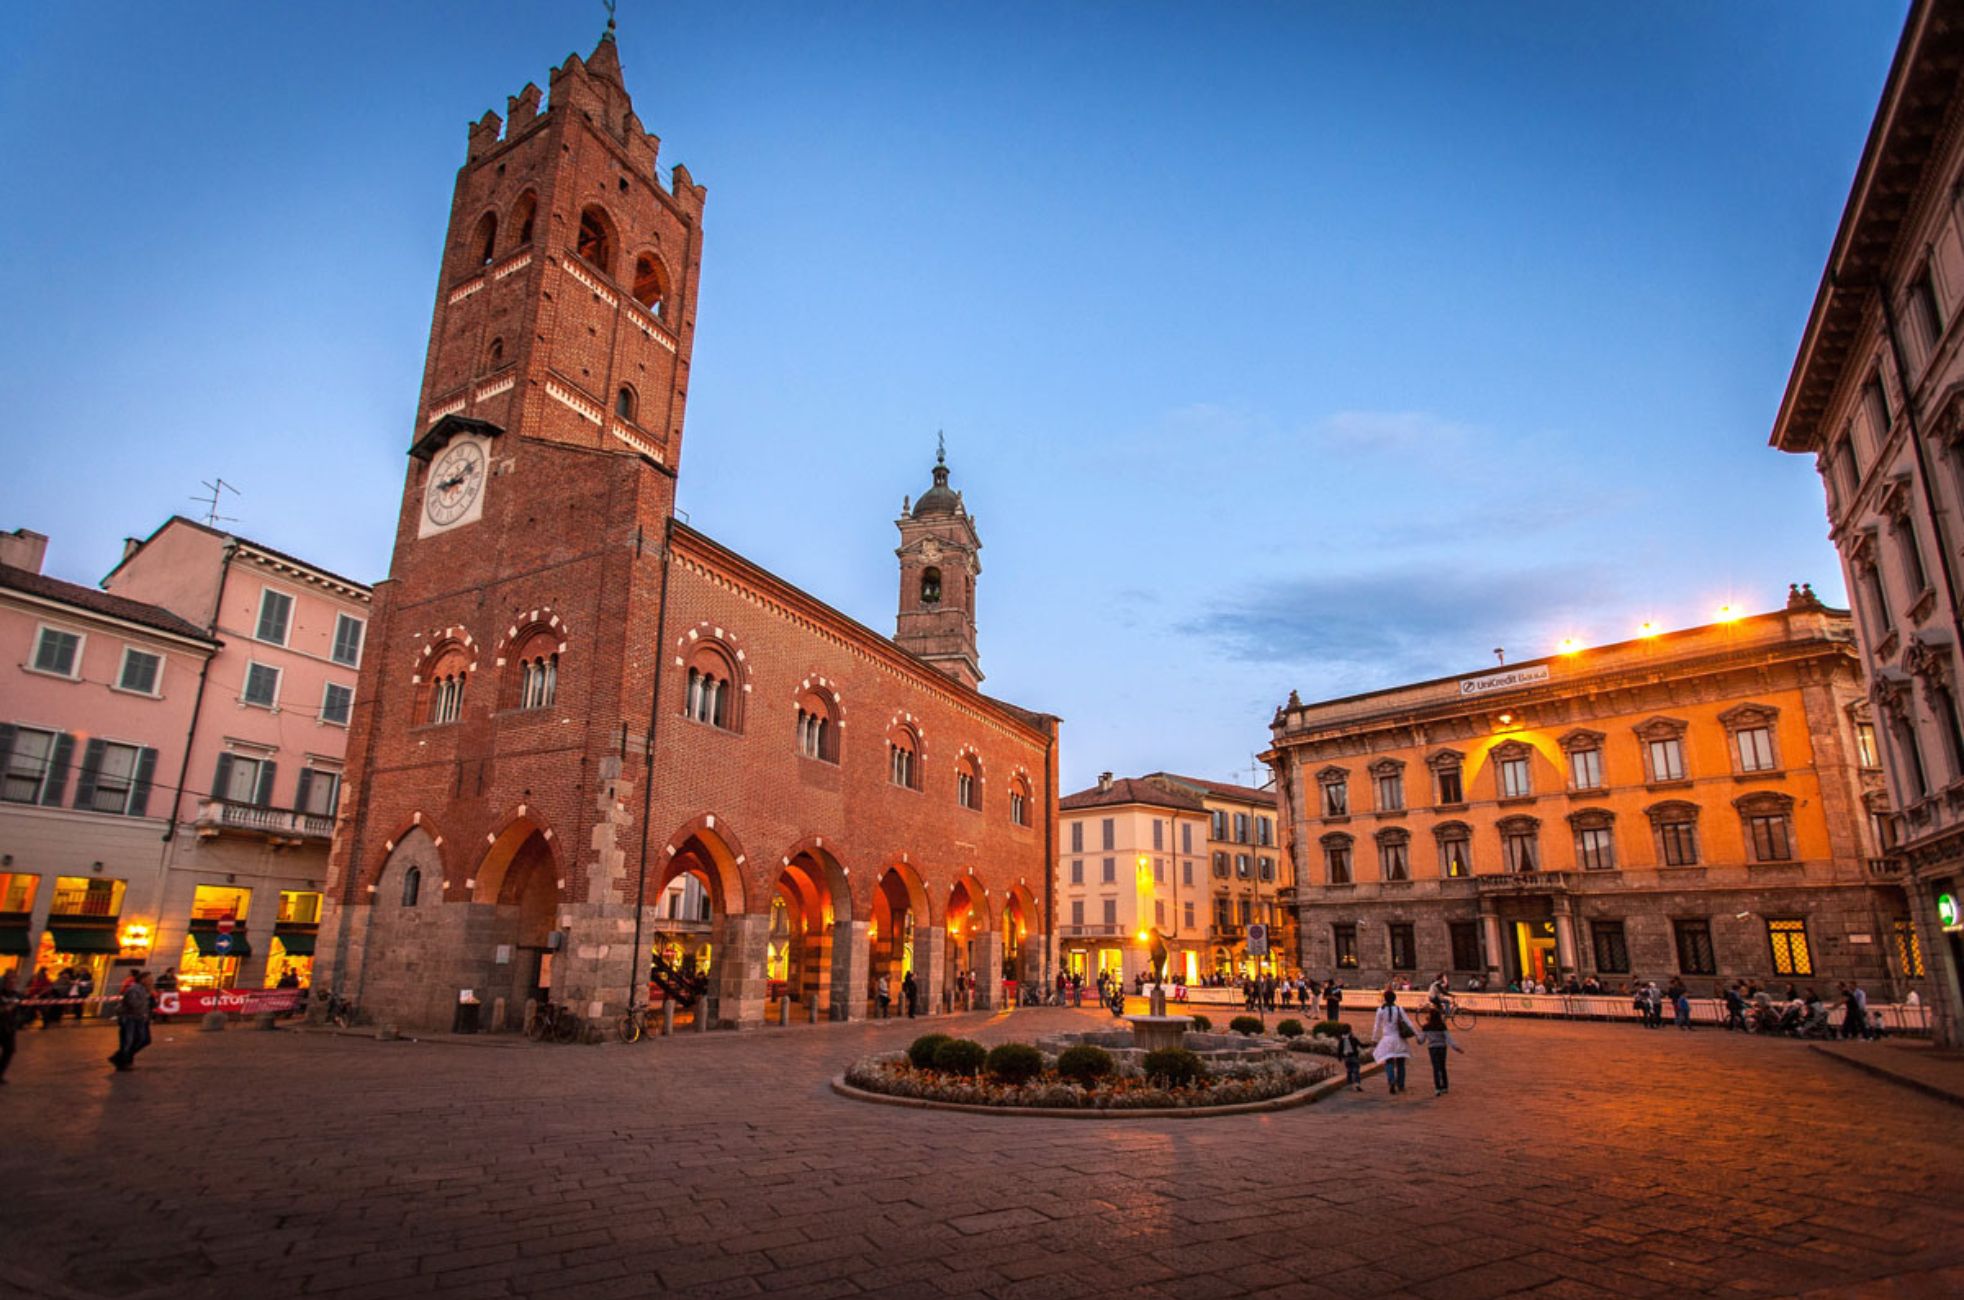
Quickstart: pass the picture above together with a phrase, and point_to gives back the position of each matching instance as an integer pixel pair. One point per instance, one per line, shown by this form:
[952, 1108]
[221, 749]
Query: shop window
[1404, 947]
[141, 671]
[17, 890]
[212, 952]
[1465, 936]
[86, 896]
[1694, 940]
[1909, 949]
[1612, 950]
[1790, 952]
[35, 764]
[57, 652]
[1344, 938]
[301, 906]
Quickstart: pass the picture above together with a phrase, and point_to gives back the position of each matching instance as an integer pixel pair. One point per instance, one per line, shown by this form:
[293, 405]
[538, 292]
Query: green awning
[298, 943]
[14, 941]
[213, 944]
[80, 939]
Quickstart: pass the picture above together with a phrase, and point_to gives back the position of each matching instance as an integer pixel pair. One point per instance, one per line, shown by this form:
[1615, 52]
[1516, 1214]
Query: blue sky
[1311, 346]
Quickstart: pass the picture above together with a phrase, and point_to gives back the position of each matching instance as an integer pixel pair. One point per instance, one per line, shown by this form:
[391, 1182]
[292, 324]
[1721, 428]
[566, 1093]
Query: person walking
[1333, 999]
[82, 990]
[1438, 1041]
[1351, 1053]
[10, 1012]
[39, 990]
[911, 991]
[133, 1022]
[1680, 1004]
[883, 994]
[1392, 1028]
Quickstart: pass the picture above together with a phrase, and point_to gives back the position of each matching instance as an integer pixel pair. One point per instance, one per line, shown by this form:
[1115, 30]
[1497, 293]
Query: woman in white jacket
[1393, 1029]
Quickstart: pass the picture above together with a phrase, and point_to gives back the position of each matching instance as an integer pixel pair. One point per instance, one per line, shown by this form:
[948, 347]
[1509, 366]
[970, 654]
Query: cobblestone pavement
[1569, 1160]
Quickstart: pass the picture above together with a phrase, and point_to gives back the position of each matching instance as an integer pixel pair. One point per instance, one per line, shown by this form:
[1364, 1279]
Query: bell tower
[939, 564]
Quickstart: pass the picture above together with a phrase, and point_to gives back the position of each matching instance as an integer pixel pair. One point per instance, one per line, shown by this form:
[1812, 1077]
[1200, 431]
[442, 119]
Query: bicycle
[556, 1022]
[633, 1024]
[340, 1012]
[1459, 1017]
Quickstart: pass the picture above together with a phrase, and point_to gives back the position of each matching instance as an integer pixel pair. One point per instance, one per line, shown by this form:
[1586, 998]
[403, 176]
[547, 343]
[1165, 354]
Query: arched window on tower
[522, 213]
[903, 757]
[1019, 800]
[968, 782]
[485, 242]
[650, 284]
[495, 355]
[711, 695]
[445, 686]
[624, 404]
[536, 682]
[596, 241]
[930, 586]
[412, 886]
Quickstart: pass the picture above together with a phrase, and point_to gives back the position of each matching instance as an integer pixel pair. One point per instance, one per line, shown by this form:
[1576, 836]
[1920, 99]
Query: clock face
[456, 480]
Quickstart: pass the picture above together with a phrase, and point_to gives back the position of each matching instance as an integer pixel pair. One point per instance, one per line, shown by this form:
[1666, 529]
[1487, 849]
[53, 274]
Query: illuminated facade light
[1647, 629]
[1729, 613]
[1569, 645]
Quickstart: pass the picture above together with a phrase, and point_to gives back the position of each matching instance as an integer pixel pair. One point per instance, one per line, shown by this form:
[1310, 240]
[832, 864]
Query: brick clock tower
[939, 564]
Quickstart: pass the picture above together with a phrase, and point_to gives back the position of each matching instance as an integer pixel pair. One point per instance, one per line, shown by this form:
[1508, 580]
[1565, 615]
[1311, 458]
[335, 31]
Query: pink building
[240, 766]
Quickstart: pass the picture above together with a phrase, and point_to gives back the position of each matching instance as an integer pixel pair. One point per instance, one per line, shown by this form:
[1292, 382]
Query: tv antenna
[217, 487]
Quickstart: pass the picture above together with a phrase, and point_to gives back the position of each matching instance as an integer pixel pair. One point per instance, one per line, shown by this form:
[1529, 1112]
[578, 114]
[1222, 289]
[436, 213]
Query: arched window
[1336, 857]
[711, 691]
[538, 681]
[624, 404]
[484, 244]
[1455, 848]
[1394, 854]
[1019, 800]
[1520, 843]
[650, 284]
[412, 886]
[596, 240]
[522, 213]
[445, 686]
[495, 356]
[903, 758]
[930, 586]
[818, 727]
[968, 782]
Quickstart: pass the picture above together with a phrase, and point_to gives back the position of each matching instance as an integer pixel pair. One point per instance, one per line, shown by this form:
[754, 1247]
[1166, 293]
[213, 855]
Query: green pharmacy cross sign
[1947, 910]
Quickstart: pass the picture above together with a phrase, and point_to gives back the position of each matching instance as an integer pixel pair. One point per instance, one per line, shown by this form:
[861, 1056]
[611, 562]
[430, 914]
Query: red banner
[197, 1002]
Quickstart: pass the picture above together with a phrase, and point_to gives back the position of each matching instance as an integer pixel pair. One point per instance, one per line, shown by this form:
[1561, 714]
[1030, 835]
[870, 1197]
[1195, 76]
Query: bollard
[497, 1015]
[667, 1017]
[264, 1020]
[811, 1010]
[213, 1020]
[783, 1012]
[702, 1015]
[531, 1015]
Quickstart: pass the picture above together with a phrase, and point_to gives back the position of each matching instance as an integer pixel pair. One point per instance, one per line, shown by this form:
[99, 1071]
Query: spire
[606, 56]
[939, 499]
[609, 34]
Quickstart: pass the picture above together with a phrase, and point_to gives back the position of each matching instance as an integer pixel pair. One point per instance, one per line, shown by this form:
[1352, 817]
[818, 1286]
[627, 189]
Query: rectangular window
[241, 780]
[262, 686]
[1769, 836]
[57, 652]
[1454, 859]
[1223, 915]
[1241, 828]
[1219, 829]
[1338, 858]
[348, 632]
[1241, 865]
[1243, 906]
[1158, 834]
[1265, 831]
[1909, 949]
[1336, 799]
[1108, 870]
[1345, 937]
[1450, 789]
[1077, 913]
[1595, 848]
[1077, 871]
[1265, 868]
[1875, 402]
[1110, 832]
[1516, 779]
[1404, 949]
[1220, 864]
[1929, 315]
[1077, 837]
[141, 671]
[1391, 792]
[1666, 759]
[964, 789]
[1188, 915]
[1695, 948]
[337, 701]
[115, 779]
[1585, 769]
[28, 765]
[1521, 855]
[1186, 873]
[1393, 861]
[1790, 954]
[1111, 912]
[1755, 746]
[318, 790]
[1186, 843]
[1612, 952]
[86, 896]
[1159, 912]
[1466, 944]
[1878, 600]
[275, 616]
[1159, 871]
[1913, 572]
[1865, 750]
[1680, 843]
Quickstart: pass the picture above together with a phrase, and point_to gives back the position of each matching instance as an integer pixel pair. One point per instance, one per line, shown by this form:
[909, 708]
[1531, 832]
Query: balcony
[281, 826]
[1885, 868]
[1523, 882]
[1091, 931]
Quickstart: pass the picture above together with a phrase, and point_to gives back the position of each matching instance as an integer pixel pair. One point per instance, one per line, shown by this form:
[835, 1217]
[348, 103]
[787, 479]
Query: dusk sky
[1309, 346]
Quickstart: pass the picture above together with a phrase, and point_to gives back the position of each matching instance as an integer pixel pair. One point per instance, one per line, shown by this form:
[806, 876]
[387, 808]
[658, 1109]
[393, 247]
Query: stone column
[988, 970]
[1565, 941]
[740, 985]
[930, 964]
[852, 970]
[1490, 929]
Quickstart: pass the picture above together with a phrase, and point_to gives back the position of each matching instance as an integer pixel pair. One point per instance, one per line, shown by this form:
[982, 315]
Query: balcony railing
[1522, 881]
[223, 816]
[1092, 931]
[1886, 868]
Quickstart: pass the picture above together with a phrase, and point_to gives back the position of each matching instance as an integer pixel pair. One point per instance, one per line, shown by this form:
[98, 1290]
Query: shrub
[922, 1051]
[1175, 1067]
[960, 1056]
[1014, 1063]
[1201, 1024]
[1246, 1025]
[1328, 1029]
[1290, 1029]
[1085, 1064]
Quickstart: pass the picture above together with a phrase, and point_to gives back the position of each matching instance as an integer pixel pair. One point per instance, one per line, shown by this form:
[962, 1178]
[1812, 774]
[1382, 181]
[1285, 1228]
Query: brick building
[1706, 803]
[572, 700]
[1877, 398]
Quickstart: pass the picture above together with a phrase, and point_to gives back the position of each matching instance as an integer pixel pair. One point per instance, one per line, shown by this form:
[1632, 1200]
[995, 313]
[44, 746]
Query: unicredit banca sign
[1507, 681]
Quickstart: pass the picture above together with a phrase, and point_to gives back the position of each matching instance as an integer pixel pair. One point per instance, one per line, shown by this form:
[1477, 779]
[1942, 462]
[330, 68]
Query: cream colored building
[1132, 858]
[1249, 881]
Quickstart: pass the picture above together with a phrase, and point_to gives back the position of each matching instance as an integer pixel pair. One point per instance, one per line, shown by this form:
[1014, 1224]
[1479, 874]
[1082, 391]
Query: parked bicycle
[338, 1011]
[554, 1022]
[633, 1024]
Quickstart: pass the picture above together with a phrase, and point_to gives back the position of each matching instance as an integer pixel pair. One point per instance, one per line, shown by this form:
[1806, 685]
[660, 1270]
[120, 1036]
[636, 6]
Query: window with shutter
[275, 616]
[141, 671]
[348, 632]
[58, 652]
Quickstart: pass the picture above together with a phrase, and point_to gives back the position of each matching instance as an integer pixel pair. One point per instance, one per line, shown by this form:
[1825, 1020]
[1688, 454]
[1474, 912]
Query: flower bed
[893, 1075]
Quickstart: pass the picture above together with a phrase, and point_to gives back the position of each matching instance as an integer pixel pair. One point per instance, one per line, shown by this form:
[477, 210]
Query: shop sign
[1507, 681]
[197, 1002]
[1947, 915]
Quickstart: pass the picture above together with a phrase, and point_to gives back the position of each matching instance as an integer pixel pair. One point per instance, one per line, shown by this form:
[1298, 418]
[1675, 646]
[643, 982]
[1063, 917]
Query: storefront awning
[80, 939]
[298, 943]
[235, 943]
[14, 941]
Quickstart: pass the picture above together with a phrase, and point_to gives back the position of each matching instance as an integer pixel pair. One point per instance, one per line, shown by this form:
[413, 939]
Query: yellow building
[1131, 866]
[1706, 803]
[1249, 879]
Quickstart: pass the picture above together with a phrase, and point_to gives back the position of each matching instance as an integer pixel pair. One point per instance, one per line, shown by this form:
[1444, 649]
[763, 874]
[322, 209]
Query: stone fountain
[1156, 1029]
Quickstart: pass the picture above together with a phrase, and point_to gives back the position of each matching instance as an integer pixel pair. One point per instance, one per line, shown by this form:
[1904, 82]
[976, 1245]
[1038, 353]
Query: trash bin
[467, 1018]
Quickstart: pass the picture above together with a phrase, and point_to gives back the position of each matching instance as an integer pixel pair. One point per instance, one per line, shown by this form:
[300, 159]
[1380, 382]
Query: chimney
[1104, 782]
[23, 549]
[131, 546]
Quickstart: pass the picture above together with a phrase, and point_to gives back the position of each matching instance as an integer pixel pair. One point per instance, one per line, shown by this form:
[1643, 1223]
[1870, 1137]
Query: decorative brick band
[512, 268]
[648, 327]
[639, 443]
[598, 291]
[448, 408]
[580, 406]
[493, 389]
[464, 291]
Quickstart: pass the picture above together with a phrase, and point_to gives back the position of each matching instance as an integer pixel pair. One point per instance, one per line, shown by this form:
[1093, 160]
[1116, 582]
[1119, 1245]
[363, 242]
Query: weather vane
[610, 12]
[940, 447]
